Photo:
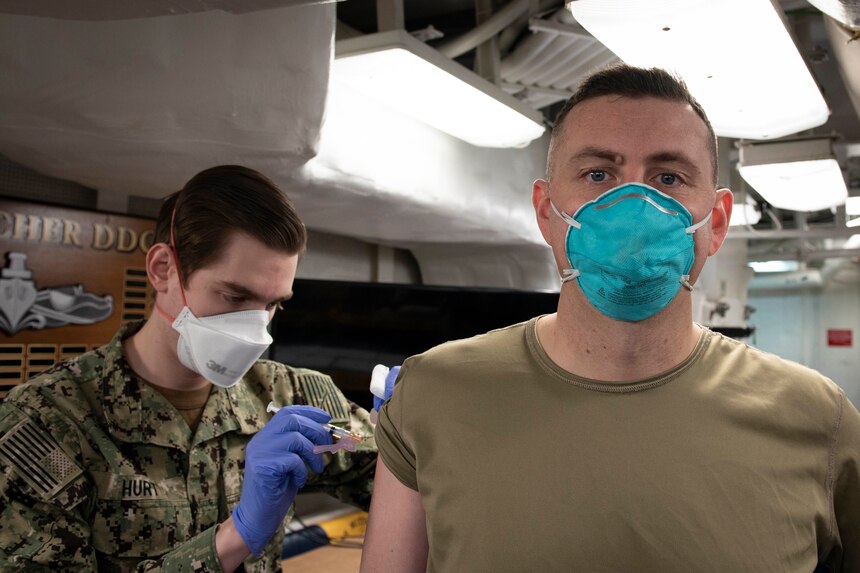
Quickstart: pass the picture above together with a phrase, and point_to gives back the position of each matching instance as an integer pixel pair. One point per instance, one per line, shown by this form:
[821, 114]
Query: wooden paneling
[102, 254]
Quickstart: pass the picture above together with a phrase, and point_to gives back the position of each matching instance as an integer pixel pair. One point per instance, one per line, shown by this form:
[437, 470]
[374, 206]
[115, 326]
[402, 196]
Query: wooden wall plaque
[70, 279]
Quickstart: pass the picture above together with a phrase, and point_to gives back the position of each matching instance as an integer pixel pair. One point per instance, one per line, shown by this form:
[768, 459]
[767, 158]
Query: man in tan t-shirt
[616, 434]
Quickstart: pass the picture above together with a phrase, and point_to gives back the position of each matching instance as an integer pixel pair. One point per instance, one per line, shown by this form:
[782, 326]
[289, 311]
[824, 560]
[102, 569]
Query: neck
[585, 342]
[151, 353]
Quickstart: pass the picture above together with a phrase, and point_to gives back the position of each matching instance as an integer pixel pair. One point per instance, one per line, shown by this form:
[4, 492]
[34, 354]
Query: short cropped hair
[222, 200]
[635, 83]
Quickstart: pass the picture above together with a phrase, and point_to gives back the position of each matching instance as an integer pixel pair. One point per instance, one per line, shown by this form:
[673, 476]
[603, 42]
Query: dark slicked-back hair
[635, 83]
[222, 200]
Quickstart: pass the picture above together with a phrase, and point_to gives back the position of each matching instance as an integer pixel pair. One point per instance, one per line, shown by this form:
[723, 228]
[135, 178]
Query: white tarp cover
[464, 212]
[139, 106]
[383, 176]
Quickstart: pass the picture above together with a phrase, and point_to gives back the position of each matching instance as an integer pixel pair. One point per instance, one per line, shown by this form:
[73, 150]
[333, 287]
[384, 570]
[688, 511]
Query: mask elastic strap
[569, 275]
[685, 282]
[176, 258]
[693, 228]
[566, 218]
[685, 279]
[162, 312]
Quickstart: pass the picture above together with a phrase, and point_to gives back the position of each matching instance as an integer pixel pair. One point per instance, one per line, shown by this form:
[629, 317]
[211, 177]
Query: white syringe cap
[377, 380]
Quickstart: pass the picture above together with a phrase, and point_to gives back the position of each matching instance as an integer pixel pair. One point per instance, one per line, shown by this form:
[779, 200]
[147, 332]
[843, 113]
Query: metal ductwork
[845, 44]
[846, 12]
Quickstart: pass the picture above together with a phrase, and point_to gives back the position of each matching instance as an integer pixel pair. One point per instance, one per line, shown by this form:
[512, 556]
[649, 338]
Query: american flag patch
[38, 459]
[317, 389]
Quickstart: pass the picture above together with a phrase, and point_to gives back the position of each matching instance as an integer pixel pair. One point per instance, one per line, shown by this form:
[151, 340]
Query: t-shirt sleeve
[394, 449]
[846, 487]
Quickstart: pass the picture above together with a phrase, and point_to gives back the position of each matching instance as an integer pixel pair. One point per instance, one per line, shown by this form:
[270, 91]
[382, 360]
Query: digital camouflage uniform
[98, 471]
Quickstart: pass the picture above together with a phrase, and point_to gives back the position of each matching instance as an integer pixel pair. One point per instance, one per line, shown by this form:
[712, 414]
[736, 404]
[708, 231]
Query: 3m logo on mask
[222, 347]
[217, 368]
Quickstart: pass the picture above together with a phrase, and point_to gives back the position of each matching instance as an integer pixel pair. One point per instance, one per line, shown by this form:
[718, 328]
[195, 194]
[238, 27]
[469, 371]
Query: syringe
[346, 440]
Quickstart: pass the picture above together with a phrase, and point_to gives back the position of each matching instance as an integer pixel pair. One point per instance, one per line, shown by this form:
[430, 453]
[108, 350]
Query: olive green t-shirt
[735, 460]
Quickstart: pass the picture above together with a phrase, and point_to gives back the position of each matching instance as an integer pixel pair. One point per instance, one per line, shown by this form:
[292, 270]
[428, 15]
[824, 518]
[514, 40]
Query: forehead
[252, 264]
[633, 128]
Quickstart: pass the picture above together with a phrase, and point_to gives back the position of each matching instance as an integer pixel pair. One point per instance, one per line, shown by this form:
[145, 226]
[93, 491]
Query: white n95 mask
[222, 347]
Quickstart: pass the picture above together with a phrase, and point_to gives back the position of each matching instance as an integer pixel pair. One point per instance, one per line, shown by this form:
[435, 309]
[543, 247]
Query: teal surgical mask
[630, 250]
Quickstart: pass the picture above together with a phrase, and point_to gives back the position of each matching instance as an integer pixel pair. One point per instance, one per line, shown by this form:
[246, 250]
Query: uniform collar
[136, 412]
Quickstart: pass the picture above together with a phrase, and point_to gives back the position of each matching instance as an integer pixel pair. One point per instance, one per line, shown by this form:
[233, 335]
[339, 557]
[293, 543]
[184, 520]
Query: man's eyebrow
[599, 153]
[248, 293]
[675, 157]
[660, 157]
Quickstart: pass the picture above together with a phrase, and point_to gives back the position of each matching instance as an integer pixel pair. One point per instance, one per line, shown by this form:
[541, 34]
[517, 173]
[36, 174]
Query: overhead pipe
[487, 57]
[548, 72]
[517, 64]
[596, 61]
[480, 34]
[594, 56]
[390, 15]
[512, 33]
[540, 56]
[492, 26]
[547, 56]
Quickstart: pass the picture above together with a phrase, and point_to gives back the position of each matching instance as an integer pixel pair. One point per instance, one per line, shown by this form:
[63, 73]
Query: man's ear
[159, 266]
[540, 202]
[720, 217]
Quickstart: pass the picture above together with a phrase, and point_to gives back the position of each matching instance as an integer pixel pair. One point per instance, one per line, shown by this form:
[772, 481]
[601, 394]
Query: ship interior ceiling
[187, 84]
[543, 34]
[538, 54]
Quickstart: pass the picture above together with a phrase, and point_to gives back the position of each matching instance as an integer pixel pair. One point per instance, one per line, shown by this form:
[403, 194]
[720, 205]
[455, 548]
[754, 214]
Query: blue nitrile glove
[389, 388]
[275, 470]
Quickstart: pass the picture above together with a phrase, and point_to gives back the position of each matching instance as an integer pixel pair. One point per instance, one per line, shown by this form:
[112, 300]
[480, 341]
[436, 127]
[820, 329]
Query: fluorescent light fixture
[798, 186]
[852, 209]
[800, 175]
[774, 266]
[746, 213]
[413, 78]
[736, 56]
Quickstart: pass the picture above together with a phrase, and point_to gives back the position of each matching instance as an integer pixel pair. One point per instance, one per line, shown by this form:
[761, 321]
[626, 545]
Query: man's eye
[234, 299]
[275, 306]
[597, 176]
[668, 179]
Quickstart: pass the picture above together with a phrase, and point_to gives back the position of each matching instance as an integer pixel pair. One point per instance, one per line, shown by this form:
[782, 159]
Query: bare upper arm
[396, 539]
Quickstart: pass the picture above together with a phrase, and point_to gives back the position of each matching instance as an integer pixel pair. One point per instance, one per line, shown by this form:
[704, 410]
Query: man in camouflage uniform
[123, 459]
